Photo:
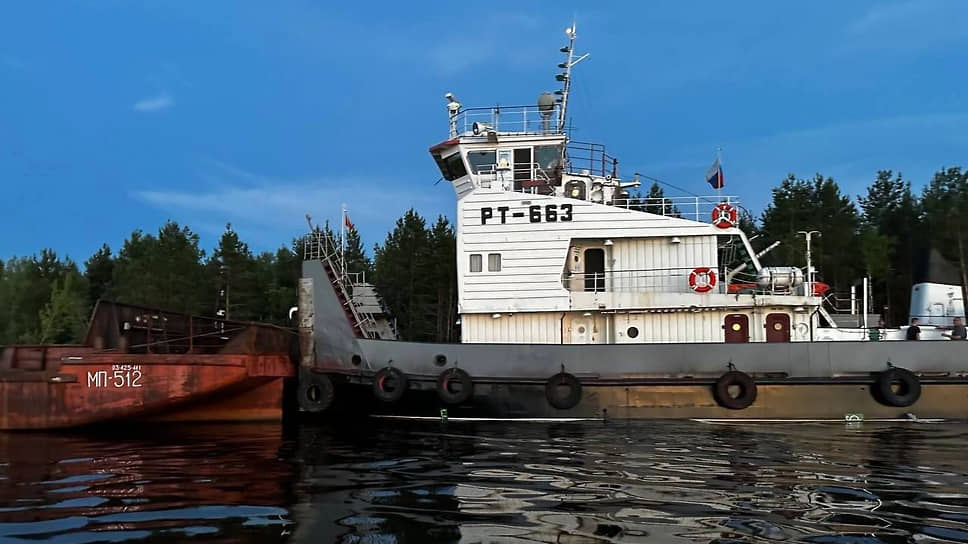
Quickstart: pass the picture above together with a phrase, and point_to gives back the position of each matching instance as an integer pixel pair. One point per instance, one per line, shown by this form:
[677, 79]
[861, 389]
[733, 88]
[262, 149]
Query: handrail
[319, 246]
[507, 119]
[659, 280]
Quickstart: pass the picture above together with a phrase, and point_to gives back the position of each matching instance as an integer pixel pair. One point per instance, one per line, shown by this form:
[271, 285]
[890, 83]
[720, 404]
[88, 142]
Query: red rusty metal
[237, 374]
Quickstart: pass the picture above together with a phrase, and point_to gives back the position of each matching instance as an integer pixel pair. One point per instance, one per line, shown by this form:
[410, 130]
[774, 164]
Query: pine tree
[657, 203]
[63, 319]
[355, 257]
[402, 276]
[99, 271]
[28, 282]
[443, 253]
[945, 204]
[164, 272]
[233, 278]
[814, 204]
[891, 210]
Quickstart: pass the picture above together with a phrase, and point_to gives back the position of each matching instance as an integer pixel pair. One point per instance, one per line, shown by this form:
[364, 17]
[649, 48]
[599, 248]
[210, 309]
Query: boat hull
[793, 380]
[91, 388]
[827, 401]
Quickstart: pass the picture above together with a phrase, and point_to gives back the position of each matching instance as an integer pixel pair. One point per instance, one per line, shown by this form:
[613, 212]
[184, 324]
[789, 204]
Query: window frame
[480, 263]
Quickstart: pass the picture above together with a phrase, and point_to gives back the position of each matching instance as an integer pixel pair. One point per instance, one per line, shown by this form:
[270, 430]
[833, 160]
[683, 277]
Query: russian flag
[714, 176]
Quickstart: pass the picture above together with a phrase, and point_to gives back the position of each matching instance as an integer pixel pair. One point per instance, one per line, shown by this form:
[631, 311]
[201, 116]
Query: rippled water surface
[386, 481]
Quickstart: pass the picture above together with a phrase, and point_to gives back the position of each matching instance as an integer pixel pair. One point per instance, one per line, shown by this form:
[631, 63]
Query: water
[379, 481]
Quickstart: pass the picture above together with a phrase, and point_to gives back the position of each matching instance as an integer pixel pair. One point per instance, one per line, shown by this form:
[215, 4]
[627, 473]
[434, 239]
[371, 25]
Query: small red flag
[347, 222]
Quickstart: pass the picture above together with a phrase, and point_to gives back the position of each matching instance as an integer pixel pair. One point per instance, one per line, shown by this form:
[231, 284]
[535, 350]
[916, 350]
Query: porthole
[356, 360]
[440, 360]
[632, 332]
[581, 330]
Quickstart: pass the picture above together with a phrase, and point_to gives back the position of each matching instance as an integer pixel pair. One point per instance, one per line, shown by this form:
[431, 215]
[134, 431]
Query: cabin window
[548, 158]
[451, 167]
[595, 270]
[476, 262]
[493, 262]
[481, 161]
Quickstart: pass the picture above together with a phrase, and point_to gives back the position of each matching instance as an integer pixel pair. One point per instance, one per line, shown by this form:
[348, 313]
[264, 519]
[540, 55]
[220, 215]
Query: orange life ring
[702, 279]
[724, 215]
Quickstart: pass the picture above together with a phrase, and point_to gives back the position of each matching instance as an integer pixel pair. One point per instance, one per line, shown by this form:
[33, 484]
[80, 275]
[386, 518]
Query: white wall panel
[520, 328]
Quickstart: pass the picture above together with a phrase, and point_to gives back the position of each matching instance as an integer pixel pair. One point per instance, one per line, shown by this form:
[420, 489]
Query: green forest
[47, 298]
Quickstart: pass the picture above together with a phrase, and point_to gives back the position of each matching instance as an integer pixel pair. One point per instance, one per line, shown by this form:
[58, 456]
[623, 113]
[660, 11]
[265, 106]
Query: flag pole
[342, 242]
[719, 161]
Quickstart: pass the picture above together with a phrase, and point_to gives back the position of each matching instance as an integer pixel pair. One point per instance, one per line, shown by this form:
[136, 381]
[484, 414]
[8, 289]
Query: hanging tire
[563, 391]
[389, 384]
[315, 392]
[739, 380]
[447, 381]
[897, 387]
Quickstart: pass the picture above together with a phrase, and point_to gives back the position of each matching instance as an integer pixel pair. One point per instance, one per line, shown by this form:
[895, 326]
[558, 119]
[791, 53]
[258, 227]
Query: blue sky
[116, 116]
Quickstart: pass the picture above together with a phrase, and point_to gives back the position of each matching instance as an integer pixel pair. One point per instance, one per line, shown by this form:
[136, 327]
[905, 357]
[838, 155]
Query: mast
[565, 77]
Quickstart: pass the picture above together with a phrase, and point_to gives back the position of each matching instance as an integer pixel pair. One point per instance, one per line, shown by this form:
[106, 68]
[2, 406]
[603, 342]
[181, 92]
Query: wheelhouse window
[493, 262]
[548, 158]
[451, 167]
[476, 262]
[481, 160]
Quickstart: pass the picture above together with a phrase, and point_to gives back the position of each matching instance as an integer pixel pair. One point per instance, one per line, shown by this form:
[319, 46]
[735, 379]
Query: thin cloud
[155, 103]
[272, 205]
[913, 24]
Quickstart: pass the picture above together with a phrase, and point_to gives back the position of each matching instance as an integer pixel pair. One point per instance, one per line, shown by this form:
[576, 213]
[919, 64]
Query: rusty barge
[145, 364]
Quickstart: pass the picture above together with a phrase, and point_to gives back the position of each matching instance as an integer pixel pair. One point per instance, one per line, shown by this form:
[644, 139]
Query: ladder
[321, 247]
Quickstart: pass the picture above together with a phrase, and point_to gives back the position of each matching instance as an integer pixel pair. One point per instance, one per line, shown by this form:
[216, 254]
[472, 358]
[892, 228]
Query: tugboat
[576, 300]
[141, 364]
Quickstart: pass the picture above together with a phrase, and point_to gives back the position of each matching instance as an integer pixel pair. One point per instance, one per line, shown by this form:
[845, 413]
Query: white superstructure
[552, 249]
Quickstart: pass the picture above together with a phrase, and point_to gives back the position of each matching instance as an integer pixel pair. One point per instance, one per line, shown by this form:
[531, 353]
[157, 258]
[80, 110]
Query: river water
[385, 481]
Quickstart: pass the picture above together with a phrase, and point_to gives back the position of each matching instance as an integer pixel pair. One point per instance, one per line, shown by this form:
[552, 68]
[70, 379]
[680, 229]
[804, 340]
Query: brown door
[777, 328]
[737, 328]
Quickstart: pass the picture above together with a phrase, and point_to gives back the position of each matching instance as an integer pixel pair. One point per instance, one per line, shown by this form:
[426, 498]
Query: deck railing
[653, 280]
[504, 119]
[695, 208]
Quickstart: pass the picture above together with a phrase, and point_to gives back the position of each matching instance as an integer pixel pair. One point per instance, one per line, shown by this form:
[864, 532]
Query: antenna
[569, 49]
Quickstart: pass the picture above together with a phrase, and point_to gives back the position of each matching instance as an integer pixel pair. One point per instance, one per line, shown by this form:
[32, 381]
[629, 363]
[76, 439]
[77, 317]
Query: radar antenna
[565, 77]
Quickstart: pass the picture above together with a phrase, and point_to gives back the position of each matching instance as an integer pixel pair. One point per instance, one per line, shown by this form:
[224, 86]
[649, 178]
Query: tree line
[884, 236]
[48, 298]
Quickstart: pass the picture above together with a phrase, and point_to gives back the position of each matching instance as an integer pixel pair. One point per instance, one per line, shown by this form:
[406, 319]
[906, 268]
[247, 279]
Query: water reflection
[394, 481]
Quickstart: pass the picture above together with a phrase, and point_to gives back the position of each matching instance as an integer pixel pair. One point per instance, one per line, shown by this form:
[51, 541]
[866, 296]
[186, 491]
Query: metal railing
[652, 280]
[516, 177]
[696, 208]
[319, 246]
[505, 119]
[590, 158]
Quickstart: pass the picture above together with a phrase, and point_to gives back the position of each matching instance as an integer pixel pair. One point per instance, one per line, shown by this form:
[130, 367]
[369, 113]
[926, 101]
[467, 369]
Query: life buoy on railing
[739, 381]
[724, 215]
[563, 391]
[455, 386]
[897, 387]
[702, 279]
[389, 384]
[315, 392]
